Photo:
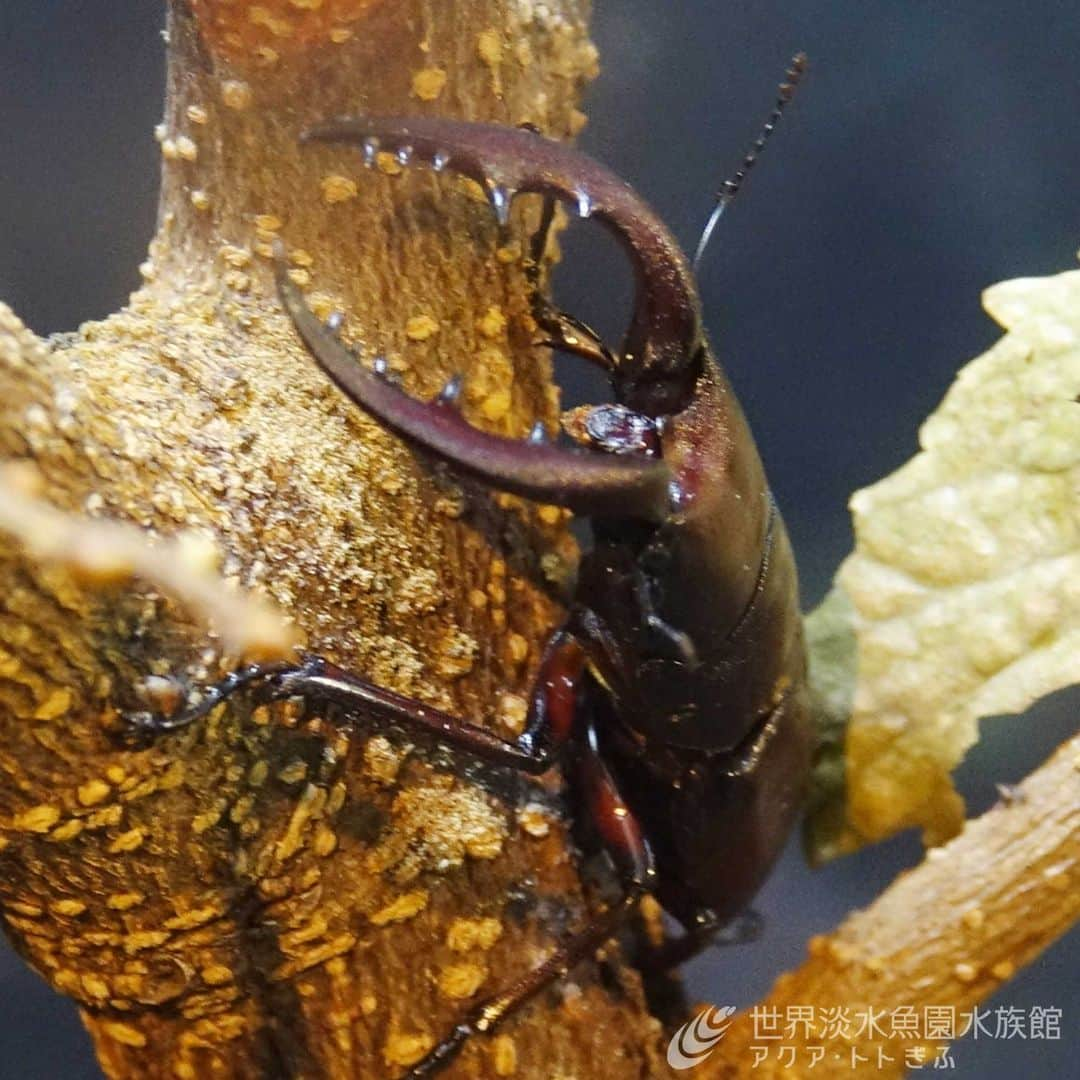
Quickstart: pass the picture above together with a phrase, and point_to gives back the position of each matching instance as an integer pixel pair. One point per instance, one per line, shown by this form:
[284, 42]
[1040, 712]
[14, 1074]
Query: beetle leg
[588, 481]
[548, 726]
[706, 931]
[623, 839]
[661, 355]
[565, 332]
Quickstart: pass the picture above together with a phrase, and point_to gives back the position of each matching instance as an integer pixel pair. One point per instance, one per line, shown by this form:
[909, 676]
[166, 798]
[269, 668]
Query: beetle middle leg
[623, 839]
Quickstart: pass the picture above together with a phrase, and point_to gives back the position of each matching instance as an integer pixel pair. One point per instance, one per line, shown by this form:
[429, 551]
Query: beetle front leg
[565, 332]
[548, 725]
[623, 839]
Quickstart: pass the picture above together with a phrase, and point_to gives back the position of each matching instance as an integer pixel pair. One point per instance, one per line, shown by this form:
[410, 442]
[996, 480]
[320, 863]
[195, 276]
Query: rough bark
[263, 894]
[948, 933]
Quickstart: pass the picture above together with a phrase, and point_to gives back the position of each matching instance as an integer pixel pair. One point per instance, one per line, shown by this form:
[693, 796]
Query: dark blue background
[933, 151]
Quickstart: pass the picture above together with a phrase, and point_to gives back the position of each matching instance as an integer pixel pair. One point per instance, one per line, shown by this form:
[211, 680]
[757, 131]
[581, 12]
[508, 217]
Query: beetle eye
[620, 430]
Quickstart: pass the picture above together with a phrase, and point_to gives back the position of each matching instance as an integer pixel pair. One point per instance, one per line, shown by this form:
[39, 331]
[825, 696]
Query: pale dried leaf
[962, 597]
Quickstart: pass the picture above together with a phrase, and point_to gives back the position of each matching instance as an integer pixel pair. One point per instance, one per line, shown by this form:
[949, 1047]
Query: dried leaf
[962, 597]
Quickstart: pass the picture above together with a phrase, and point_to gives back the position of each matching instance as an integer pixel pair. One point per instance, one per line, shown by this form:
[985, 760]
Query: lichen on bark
[265, 893]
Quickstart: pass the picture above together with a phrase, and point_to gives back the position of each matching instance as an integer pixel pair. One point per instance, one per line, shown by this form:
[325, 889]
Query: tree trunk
[265, 893]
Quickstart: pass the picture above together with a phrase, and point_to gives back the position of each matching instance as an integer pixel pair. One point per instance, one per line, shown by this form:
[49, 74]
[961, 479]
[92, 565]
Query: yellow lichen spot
[478, 599]
[1003, 969]
[428, 83]
[200, 199]
[257, 773]
[206, 820]
[336, 799]
[124, 901]
[518, 647]
[144, 939]
[106, 817]
[96, 987]
[216, 975]
[495, 406]
[325, 841]
[184, 1070]
[492, 324]
[506, 254]
[292, 773]
[93, 792]
[197, 114]
[270, 223]
[307, 5]
[237, 280]
[403, 908]
[387, 163]
[264, 251]
[368, 1004]
[461, 981]
[115, 774]
[534, 822]
[127, 841]
[38, 819]
[465, 935]
[513, 710]
[405, 1050]
[300, 257]
[68, 908]
[503, 1055]
[973, 918]
[123, 1033]
[236, 257]
[966, 973]
[421, 327]
[382, 760]
[173, 777]
[550, 515]
[236, 94]
[68, 831]
[337, 188]
[489, 47]
[168, 149]
[188, 920]
[56, 704]
[340, 34]
[277, 26]
[186, 148]
[31, 911]
[300, 277]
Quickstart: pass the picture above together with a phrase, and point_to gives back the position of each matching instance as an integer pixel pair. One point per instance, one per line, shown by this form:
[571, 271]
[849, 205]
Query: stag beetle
[675, 692]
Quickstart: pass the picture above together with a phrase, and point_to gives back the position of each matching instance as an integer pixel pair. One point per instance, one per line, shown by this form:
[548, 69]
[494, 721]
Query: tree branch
[947, 933]
[263, 894]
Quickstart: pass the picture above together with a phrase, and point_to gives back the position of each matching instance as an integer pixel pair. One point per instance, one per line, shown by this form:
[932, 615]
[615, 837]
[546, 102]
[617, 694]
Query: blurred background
[932, 151]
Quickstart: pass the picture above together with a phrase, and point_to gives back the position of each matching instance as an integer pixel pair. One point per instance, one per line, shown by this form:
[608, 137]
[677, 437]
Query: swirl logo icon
[697, 1038]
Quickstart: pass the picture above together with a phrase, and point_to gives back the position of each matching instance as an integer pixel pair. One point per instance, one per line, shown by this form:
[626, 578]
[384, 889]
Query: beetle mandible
[675, 692]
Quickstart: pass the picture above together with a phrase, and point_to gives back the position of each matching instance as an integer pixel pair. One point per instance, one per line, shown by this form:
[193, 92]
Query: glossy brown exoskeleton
[674, 694]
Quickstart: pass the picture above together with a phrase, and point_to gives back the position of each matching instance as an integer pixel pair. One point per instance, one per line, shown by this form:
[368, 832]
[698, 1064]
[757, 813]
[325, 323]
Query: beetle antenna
[727, 191]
